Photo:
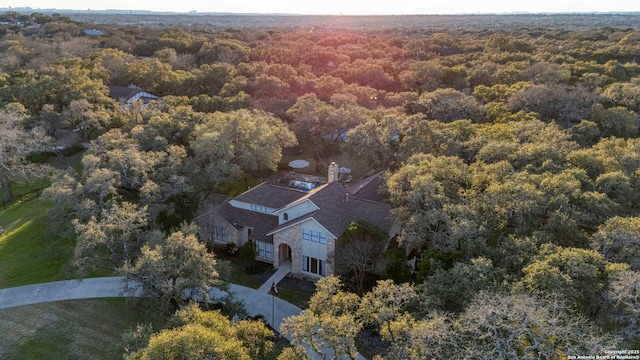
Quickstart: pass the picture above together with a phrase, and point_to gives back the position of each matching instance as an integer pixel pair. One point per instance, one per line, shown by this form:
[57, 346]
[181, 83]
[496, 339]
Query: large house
[290, 224]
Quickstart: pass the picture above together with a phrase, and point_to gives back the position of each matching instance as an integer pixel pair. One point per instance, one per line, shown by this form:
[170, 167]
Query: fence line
[23, 198]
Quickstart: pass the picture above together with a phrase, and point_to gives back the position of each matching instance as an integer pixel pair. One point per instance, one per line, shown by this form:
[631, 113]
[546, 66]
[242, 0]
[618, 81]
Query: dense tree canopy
[198, 334]
[227, 145]
[510, 156]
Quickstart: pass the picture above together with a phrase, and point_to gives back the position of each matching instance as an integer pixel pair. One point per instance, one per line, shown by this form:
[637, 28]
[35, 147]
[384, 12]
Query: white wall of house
[139, 95]
[295, 211]
[314, 248]
[316, 244]
[243, 236]
[251, 207]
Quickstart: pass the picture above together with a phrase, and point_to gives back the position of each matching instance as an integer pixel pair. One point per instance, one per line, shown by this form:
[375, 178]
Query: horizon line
[195, 12]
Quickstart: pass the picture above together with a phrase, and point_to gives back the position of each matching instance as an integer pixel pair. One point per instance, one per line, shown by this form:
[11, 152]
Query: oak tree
[16, 143]
[174, 269]
[230, 145]
[197, 334]
[358, 249]
[330, 325]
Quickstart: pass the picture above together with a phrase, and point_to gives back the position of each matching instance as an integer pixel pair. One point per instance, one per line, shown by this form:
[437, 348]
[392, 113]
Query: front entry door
[285, 252]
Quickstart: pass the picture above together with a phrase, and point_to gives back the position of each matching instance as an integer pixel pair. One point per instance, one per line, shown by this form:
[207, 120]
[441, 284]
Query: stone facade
[293, 238]
[207, 223]
[334, 172]
[331, 261]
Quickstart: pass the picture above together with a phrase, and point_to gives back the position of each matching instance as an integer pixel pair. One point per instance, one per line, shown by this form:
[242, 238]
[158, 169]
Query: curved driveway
[256, 302]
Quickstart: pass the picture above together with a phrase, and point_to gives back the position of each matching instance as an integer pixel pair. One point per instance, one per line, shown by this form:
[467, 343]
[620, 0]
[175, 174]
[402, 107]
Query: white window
[315, 236]
[260, 208]
[264, 250]
[220, 234]
[314, 266]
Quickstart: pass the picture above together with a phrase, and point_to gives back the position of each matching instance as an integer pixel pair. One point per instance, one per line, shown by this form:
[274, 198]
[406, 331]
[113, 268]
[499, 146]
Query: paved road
[61, 290]
[256, 302]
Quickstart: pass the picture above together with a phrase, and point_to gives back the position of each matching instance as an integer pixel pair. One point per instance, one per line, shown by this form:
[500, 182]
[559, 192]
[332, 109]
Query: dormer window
[285, 216]
[260, 208]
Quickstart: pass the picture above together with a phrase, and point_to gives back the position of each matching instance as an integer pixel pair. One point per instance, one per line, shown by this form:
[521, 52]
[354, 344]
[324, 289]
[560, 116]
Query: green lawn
[307, 152]
[296, 298]
[73, 161]
[24, 191]
[27, 254]
[232, 273]
[77, 329]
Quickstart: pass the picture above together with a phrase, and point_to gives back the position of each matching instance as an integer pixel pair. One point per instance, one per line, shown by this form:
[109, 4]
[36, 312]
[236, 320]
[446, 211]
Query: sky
[339, 7]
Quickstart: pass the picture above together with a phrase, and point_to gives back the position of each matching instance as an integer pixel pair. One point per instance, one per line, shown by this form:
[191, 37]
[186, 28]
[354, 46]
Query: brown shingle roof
[338, 209]
[260, 222]
[122, 93]
[368, 189]
[270, 195]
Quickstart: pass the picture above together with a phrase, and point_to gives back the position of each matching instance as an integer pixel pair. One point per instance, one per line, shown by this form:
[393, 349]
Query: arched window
[285, 216]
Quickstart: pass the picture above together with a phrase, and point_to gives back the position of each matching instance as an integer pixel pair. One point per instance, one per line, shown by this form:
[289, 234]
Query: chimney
[333, 172]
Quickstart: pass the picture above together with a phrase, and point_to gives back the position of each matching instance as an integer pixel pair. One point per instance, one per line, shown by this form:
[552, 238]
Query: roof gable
[126, 93]
[294, 204]
[300, 220]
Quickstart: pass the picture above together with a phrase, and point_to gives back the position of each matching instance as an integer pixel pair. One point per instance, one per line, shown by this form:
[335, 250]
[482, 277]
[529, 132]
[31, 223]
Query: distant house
[126, 96]
[287, 224]
[93, 32]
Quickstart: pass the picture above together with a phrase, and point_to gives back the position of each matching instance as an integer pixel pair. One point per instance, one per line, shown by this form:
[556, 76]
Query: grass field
[27, 254]
[78, 329]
